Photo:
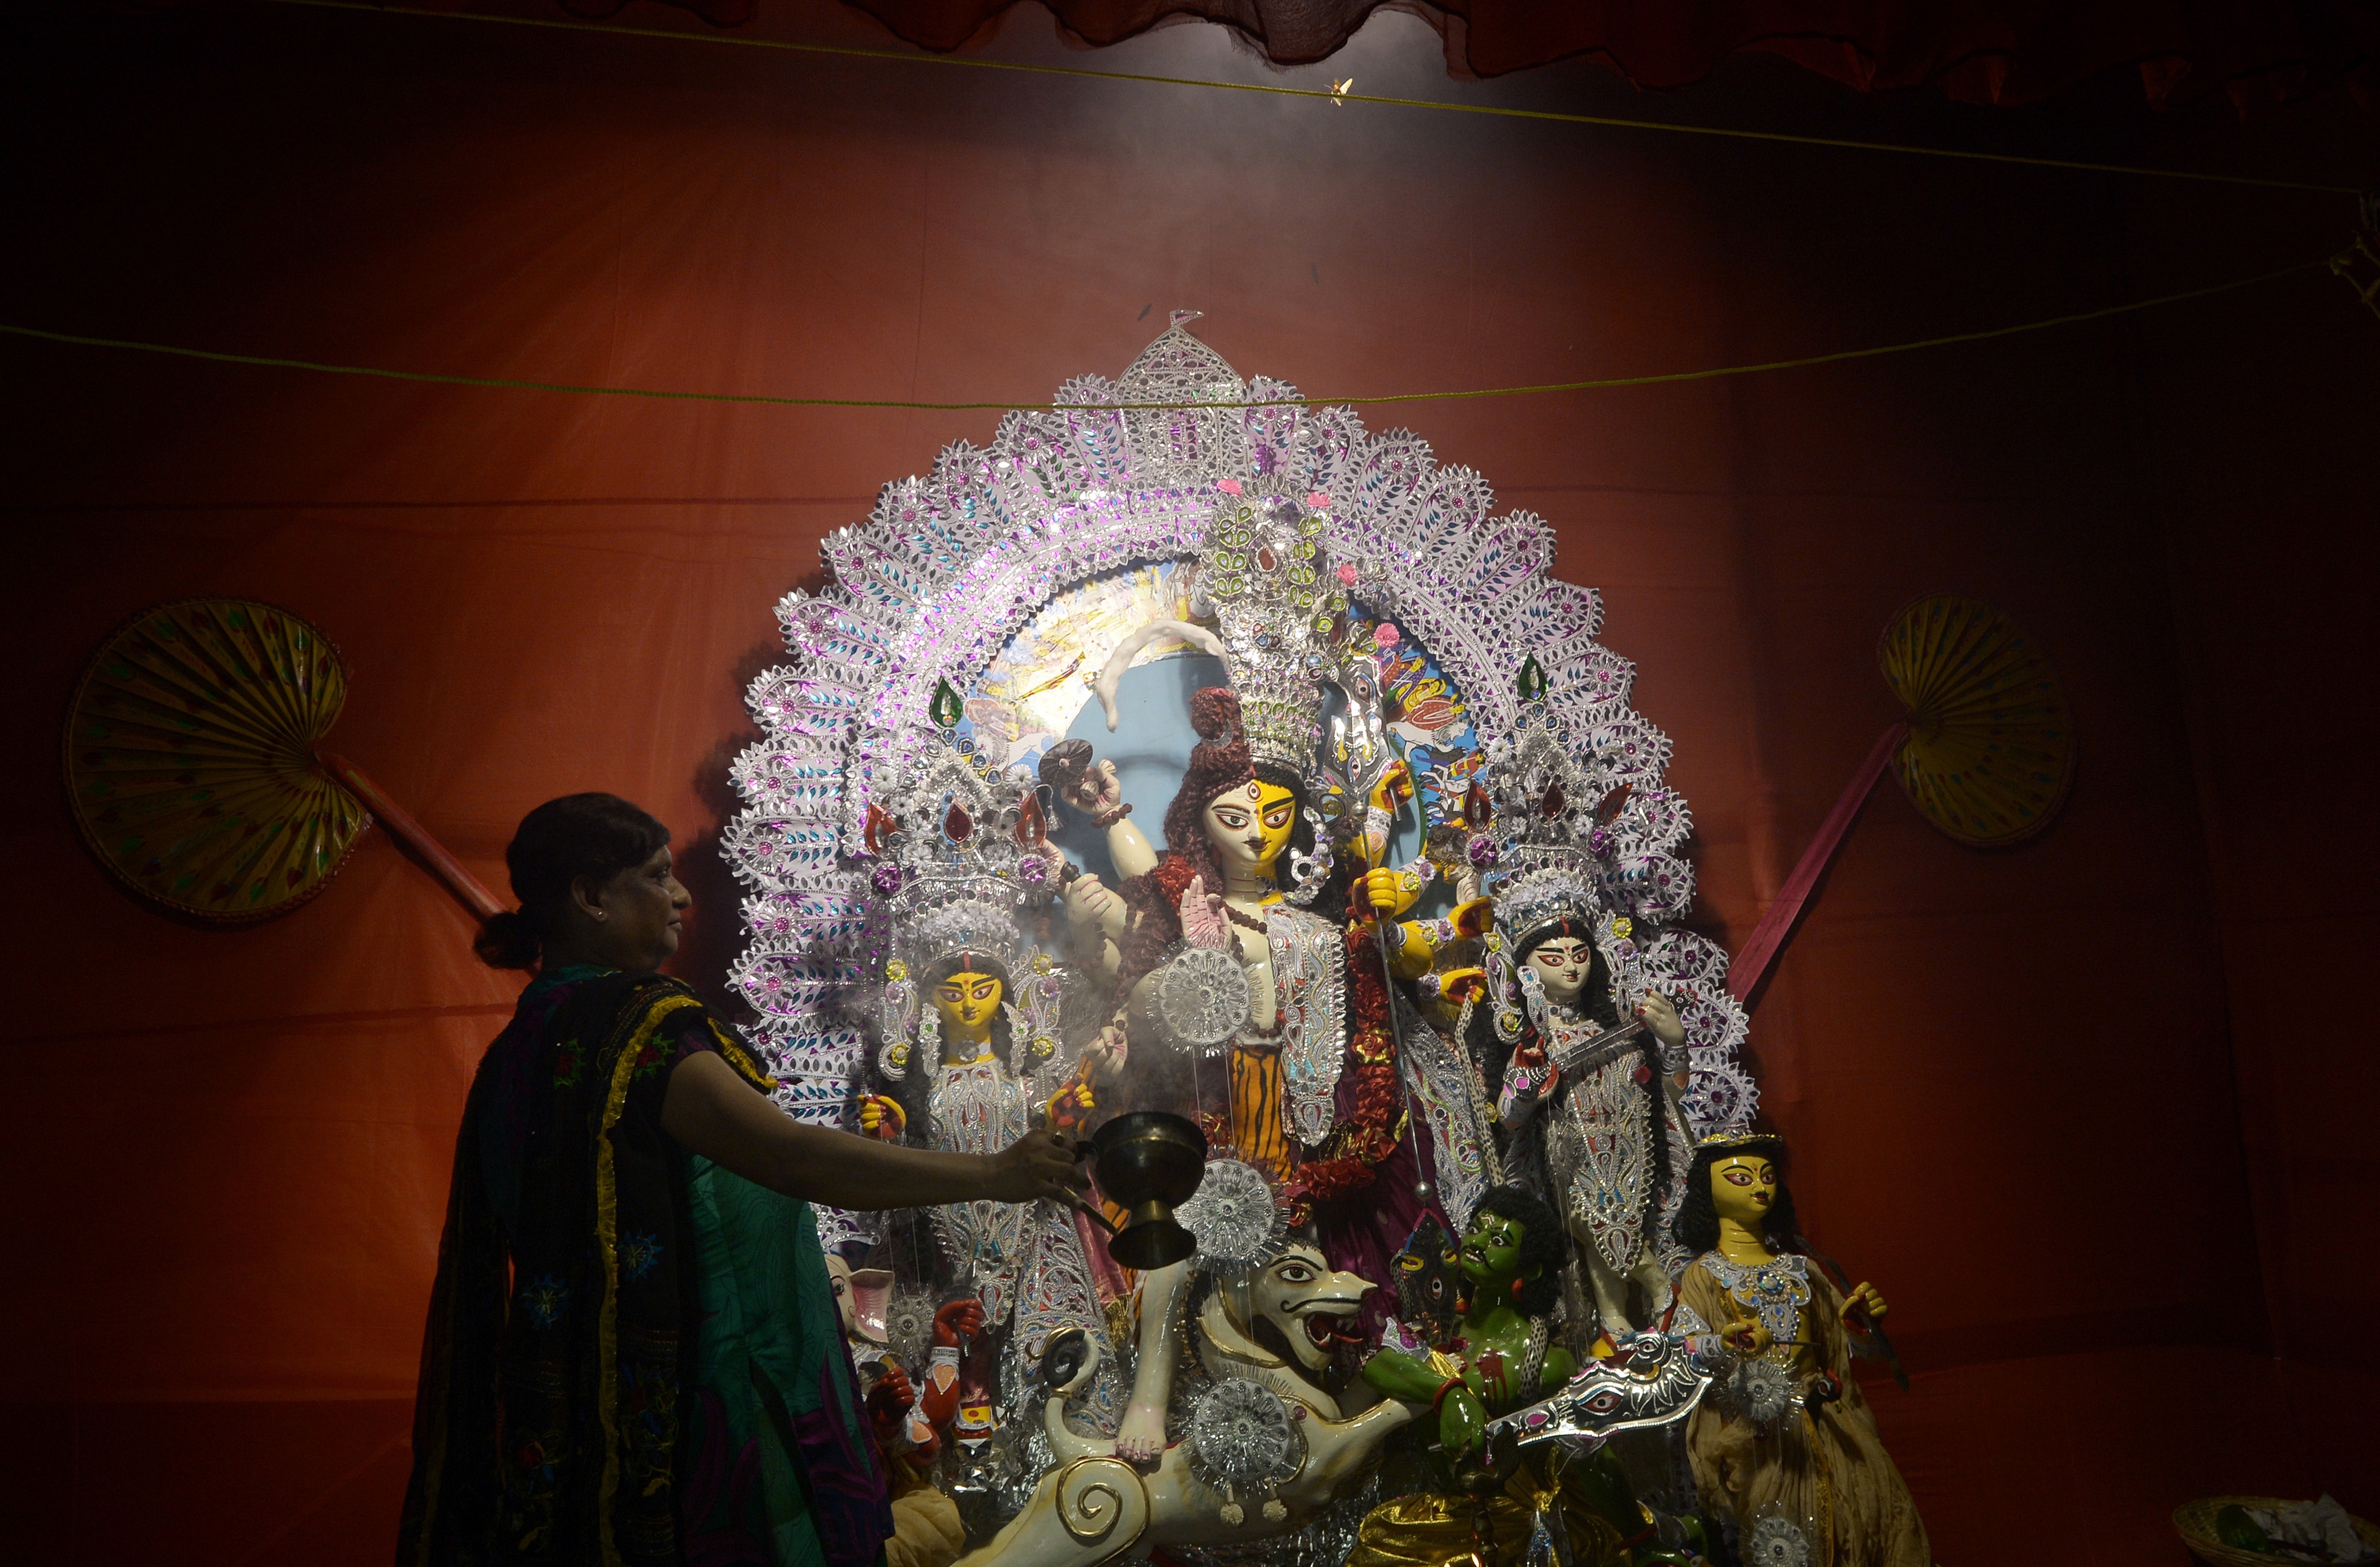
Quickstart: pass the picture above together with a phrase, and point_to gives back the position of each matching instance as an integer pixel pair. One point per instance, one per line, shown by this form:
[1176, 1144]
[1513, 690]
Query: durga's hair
[1697, 1225]
[1545, 1245]
[1218, 761]
[593, 835]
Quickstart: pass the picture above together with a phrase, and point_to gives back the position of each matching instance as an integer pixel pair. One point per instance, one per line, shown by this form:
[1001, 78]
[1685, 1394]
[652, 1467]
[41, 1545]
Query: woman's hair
[597, 836]
[1696, 1226]
[941, 968]
[1545, 1245]
[1595, 1002]
[1595, 998]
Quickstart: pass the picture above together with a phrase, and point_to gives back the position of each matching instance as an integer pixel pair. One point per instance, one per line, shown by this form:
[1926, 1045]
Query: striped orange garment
[1257, 1086]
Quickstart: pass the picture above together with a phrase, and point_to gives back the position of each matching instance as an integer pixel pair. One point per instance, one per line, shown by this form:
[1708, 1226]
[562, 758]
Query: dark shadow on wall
[714, 926]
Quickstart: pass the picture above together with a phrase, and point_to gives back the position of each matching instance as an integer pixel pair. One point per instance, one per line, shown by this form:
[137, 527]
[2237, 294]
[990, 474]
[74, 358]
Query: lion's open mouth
[1328, 1330]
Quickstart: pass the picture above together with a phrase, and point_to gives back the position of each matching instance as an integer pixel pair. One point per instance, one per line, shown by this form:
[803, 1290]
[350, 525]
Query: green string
[1608, 381]
[1610, 122]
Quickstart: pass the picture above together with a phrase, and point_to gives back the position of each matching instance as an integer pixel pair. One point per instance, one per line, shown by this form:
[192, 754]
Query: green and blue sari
[633, 1356]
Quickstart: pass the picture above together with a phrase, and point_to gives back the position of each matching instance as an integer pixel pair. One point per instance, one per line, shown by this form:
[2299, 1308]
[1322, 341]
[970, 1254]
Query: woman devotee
[1785, 1445]
[634, 1355]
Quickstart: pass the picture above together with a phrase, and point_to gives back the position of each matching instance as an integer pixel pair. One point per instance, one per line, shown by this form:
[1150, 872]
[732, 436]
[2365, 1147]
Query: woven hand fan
[1990, 747]
[1985, 751]
[192, 767]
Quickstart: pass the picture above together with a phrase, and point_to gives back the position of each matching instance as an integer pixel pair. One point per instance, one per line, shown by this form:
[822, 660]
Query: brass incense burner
[1150, 1161]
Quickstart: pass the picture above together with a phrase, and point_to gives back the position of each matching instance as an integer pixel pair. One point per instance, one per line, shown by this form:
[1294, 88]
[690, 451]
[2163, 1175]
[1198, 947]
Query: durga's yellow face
[1250, 825]
[968, 1003]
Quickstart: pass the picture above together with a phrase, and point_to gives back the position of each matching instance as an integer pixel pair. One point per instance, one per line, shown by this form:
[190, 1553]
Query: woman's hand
[1039, 1166]
[1096, 789]
[1071, 1106]
[1456, 986]
[1092, 904]
[1864, 1300]
[1747, 1336]
[883, 1118]
[1668, 1027]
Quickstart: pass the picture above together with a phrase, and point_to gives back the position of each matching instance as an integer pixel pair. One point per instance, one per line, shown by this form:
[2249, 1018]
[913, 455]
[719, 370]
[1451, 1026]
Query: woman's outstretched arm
[715, 1113]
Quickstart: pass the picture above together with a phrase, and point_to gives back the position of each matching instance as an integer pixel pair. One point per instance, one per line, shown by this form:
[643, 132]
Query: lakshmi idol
[1786, 1448]
[968, 1039]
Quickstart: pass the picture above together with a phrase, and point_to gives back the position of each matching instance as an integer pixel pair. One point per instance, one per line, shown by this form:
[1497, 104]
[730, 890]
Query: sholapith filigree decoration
[950, 566]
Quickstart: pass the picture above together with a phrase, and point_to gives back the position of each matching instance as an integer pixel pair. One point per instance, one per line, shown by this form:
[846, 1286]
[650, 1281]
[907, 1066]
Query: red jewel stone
[1477, 810]
[1265, 559]
[957, 825]
[1553, 802]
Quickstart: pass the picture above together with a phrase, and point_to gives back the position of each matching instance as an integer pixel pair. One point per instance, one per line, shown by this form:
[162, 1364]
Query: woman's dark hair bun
[593, 835]
[507, 940]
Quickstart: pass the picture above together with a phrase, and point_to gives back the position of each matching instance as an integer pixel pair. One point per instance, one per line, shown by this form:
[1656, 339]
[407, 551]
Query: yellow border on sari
[607, 1237]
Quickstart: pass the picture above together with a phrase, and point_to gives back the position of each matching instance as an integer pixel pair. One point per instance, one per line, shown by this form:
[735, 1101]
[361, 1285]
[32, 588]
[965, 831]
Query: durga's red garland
[1368, 1136]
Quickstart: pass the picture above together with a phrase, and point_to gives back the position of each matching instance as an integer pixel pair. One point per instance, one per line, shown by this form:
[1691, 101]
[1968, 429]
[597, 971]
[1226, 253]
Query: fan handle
[477, 899]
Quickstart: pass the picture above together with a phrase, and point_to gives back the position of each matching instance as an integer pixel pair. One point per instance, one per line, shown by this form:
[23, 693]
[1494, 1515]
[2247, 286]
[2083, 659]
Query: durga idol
[1312, 1087]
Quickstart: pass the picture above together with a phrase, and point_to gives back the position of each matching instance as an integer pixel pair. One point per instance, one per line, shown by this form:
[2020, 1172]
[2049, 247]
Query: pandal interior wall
[2016, 1084]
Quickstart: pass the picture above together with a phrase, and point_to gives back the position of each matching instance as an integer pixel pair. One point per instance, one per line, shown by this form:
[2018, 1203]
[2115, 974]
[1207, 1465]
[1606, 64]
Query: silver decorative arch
[948, 567]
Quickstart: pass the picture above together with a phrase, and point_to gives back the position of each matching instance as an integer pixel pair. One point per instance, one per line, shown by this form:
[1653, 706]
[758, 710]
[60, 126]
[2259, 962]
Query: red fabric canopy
[2091, 1113]
[1978, 51]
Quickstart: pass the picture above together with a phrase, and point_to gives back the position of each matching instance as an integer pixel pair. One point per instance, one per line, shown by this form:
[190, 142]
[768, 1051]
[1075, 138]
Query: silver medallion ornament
[909, 1325]
[1244, 1442]
[1200, 997]
[1762, 1389]
[1777, 1542]
[1233, 1217]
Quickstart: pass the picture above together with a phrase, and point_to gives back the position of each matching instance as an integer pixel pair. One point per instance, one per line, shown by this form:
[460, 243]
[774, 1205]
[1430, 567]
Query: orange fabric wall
[2009, 1080]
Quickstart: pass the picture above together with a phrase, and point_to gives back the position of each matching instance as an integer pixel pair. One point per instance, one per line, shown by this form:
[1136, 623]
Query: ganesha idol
[932, 964]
